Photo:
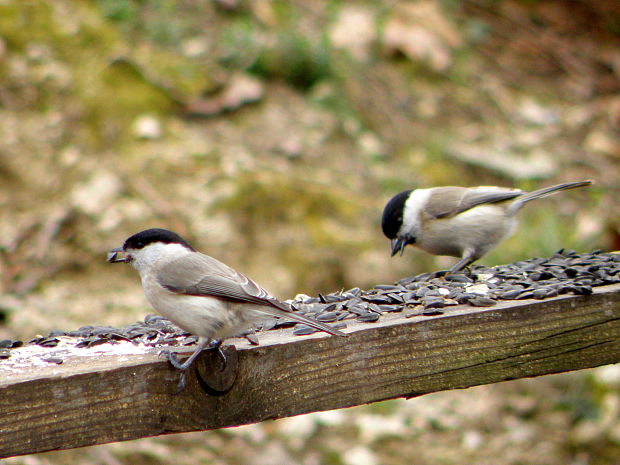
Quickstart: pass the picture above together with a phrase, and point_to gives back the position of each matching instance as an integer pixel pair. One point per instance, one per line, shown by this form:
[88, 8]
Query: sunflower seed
[396, 297]
[432, 312]
[375, 308]
[539, 293]
[48, 342]
[252, 338]
[303, 330]
[458, 278]
[368, 317]
[526, 295]
[327, 317]
[391, 308]
[378, 298]
[509, 295]
[481, 301]
[433, 302]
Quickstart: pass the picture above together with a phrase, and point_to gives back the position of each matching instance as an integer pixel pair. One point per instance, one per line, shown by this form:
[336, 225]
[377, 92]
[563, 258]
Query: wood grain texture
[97, 399]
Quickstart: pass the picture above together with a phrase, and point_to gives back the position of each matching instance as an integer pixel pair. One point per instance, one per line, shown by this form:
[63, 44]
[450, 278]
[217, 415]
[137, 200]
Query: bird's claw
[182, 382]
[438, 274]
[174, 361]
[172, 358]
[183, 367]
[216, 344]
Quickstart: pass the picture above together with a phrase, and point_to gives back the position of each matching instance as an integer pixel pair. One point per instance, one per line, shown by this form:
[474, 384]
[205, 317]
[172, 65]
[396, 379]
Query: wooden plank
[108, 395]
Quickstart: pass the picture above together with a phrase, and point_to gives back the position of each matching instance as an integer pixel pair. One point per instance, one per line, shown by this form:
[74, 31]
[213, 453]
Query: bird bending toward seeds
[464, 222]
[199, 293]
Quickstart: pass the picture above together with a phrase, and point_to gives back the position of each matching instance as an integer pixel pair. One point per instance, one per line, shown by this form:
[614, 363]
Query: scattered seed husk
[368, 317]
[252, 338]
[327, 317]
[564, 272]
[481, 301]
[303, 330]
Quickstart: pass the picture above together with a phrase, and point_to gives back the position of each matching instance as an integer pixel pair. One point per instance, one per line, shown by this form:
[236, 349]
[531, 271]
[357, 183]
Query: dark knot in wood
[216, 374]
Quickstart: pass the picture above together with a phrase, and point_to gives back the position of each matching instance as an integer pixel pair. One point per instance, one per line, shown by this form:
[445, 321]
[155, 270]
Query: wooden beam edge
[101, 398]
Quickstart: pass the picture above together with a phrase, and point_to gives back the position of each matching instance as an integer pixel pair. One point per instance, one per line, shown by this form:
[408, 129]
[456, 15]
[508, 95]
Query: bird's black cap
[149, 236]
[393, 212]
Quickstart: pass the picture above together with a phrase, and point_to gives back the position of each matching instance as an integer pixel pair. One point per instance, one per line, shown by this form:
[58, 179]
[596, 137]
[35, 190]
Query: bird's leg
[174, 361]
[216, 344]
[172, 358]
[462, 264]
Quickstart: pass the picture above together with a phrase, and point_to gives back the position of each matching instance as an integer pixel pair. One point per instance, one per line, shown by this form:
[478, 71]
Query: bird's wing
[453, 200]
[200, 275]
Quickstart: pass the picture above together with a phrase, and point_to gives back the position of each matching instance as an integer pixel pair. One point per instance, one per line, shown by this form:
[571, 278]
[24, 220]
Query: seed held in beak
[116, 256]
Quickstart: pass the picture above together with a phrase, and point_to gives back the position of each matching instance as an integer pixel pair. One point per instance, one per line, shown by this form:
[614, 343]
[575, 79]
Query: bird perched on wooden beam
[199, 293]
[464, 222]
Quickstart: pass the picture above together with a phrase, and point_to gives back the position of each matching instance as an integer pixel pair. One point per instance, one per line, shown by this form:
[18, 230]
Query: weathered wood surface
[103, 397]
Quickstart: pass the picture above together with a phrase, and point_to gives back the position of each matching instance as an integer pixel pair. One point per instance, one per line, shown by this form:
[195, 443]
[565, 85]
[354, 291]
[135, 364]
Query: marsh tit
[464, 222]
[199, 293]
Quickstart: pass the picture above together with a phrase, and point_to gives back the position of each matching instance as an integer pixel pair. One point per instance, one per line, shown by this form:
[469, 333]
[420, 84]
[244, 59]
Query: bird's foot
[216, 344]
[182, 367]
[438, 274]
[464, 274]
[182, 383]
[174, 361]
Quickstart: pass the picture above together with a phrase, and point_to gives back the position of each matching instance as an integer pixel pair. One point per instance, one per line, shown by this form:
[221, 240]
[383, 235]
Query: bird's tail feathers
[549, 191]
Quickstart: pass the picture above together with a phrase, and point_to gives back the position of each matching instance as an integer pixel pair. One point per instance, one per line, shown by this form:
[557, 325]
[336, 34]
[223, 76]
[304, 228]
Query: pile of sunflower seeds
[565, 272]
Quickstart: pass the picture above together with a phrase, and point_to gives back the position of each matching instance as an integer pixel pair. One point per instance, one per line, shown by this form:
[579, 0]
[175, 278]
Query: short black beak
[398, 245]
[113, 256]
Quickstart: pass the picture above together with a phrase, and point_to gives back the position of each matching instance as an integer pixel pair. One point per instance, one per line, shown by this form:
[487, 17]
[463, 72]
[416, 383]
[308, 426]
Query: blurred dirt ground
[270, 134]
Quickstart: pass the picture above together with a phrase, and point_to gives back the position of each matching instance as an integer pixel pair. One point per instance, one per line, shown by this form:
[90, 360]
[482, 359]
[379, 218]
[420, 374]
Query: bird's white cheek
[411, 212]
